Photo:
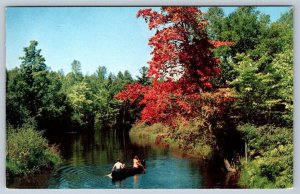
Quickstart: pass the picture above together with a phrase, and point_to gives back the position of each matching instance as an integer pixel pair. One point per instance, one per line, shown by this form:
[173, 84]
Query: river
[88, 157]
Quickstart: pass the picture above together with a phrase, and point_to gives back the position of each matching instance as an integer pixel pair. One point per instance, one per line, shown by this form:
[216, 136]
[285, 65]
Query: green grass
[143, 134]
[203, 150]
[178, 139]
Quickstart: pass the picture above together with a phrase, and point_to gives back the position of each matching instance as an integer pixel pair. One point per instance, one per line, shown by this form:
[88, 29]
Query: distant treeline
[46, 99]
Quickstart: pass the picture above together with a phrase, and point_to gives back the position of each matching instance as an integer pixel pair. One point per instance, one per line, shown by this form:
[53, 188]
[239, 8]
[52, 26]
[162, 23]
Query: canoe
[126, 172]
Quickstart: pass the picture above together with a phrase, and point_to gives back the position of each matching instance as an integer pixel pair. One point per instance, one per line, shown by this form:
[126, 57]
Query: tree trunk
[124, 112]
[246, 151]
[228, 167]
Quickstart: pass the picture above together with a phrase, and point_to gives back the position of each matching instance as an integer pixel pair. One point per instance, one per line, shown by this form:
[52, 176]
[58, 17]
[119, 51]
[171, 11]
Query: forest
[217, 88]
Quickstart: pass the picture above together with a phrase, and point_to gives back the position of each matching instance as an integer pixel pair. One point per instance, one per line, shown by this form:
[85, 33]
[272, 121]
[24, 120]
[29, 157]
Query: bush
[28, 152]
[195, 137]
[271, 157]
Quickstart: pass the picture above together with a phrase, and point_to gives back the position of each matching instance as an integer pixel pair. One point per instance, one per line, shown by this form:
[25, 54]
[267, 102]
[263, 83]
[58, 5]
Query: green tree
[264, 91]
[34, 73]
[275, 37]
[246, 27]
[28, 86]
[54, 101]
[264, 75]
[76, 71]
[127, 77]
[101, 73]
[143, 78]
[265, 96]
[215, 15]
[98, 82]
[270, 157]
[80, 98]
[16, 111]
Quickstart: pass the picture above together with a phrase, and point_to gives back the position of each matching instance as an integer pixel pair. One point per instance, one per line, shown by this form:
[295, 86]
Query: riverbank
[184, 141]
[87, 158]
[190, 145]
[269, 159]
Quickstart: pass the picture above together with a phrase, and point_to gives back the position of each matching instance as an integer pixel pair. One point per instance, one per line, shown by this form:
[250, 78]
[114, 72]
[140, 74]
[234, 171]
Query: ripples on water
[69, 176]
[165, 172]
[89, 157]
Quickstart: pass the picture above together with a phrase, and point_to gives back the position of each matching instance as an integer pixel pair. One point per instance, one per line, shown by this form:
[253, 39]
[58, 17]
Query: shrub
[195, 137]
[28, 152]
[271, 157]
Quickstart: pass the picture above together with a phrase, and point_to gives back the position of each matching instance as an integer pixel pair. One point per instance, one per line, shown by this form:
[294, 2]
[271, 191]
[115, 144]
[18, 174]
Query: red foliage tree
[131, 92]
[182, 64]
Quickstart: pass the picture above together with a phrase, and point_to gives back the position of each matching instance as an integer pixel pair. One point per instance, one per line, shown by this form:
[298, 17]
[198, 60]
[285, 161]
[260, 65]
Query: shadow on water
[89, 156]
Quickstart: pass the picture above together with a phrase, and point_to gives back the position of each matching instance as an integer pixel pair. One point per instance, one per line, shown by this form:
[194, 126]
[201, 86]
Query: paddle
[144, 169]
[109, 175]
[142, 163]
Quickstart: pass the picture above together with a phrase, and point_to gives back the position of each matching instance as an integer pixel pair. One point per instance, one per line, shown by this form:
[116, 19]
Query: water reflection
[135, 181]
[89, 157]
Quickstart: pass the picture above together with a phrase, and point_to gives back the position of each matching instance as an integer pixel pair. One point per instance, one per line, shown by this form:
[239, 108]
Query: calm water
[89, 157]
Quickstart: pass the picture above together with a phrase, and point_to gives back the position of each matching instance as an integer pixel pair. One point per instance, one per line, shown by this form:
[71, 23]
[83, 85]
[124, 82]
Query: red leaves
[223, 98]
[143, 12]
[131, 92]
[207, 85]
[181, 49]
[165, 101]
[182, 66]
[217, 71]
[220, 43]
[158, 102]
[180, 46]
[152, 17]
[181, 14]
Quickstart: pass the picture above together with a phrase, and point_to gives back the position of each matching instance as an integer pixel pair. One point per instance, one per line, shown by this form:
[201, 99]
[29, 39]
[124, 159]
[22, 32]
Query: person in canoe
[118, 166]
[137, 163]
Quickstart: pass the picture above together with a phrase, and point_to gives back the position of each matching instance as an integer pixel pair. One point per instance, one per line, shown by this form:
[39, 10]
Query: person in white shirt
[118, 166]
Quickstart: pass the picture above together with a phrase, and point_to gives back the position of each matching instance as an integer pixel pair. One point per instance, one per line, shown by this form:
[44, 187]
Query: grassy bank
[186, 140]
[28, 152]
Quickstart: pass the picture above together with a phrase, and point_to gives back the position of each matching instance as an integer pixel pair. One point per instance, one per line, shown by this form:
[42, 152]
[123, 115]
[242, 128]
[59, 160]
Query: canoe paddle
[144, 172]
[144, 169]
[109, 175]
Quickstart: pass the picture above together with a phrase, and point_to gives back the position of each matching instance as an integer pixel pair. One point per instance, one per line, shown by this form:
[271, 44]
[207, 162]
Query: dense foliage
[270, 150]
[30, 90]
[28, 152]
[48, 99]
[259, 67]
[215, 84]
